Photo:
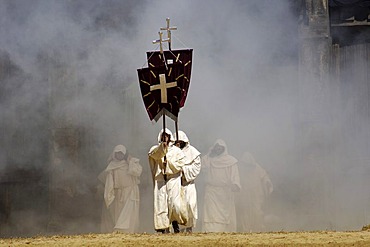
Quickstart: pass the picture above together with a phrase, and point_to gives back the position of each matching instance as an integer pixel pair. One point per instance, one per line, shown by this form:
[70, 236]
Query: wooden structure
[334, 109]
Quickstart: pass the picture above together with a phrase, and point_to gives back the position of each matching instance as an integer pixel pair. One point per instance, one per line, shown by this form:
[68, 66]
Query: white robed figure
[121, 192]
[166, 162]
[222, 180]
[256, 188]
[190, 172]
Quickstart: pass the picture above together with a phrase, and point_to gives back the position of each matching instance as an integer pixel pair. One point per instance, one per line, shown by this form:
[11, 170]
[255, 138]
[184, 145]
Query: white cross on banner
[163, 85]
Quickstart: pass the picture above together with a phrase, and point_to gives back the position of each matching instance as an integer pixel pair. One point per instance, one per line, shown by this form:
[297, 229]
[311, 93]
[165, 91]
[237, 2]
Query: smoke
[69, 94]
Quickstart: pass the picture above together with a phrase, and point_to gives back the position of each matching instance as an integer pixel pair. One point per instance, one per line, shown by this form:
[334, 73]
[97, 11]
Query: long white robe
[222, 180]
[256, 187]
[169, 203]
[190, 172]
[121, 195]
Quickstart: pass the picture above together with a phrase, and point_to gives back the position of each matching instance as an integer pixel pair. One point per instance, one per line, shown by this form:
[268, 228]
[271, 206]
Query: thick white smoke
[244, 88]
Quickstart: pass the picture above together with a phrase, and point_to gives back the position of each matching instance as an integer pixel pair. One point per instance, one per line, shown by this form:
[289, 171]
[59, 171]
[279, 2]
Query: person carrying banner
[166, 162]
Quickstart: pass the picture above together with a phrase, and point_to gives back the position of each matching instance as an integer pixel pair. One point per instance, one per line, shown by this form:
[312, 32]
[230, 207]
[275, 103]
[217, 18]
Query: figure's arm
[135, 168]
[175, 160]
[268, 187]
[153, 167]
[159, 151]
[205, 160]
[235, 179]
[109, 189]
[191, 171]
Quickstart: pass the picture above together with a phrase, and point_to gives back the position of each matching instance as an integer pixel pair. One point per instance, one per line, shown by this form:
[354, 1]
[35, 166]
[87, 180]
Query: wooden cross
[168, 29]
[163, 85]
[160, 41]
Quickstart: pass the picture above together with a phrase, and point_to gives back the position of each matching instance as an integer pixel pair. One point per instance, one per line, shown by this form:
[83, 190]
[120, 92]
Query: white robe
[121, 196]
[169, 203]
[222, 180]
[191, 171]
[256, 187]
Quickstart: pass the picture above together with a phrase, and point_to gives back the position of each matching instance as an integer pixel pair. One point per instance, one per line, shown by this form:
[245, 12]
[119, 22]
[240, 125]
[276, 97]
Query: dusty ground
[323, 238]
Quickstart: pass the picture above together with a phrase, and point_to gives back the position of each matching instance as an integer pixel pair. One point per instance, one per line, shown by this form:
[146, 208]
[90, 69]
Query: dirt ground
[319, 238]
